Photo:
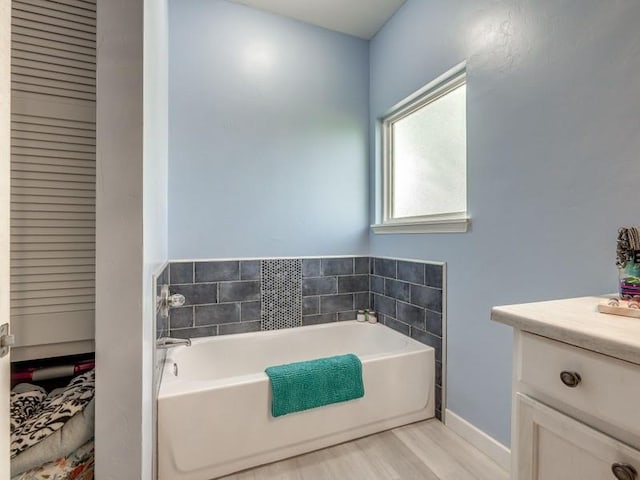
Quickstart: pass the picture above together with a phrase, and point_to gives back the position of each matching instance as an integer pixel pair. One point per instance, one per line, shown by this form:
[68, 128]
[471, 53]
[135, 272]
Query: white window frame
[440, 223]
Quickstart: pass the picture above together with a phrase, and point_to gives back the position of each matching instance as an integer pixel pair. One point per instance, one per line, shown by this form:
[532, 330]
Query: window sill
[453, 225]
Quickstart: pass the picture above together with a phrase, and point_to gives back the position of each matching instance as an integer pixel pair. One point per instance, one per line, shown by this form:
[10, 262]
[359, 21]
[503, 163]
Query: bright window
[424, 155]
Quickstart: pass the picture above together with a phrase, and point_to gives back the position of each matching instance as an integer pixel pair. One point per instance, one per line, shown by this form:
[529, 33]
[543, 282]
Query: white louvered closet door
[53, 85]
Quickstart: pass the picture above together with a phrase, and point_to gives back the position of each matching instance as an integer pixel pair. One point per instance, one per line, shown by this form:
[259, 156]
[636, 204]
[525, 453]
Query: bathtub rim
[170, 386]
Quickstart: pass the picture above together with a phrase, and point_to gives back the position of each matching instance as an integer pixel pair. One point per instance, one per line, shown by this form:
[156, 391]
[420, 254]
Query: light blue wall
[553, 163]
[268, 151]
[268, 135]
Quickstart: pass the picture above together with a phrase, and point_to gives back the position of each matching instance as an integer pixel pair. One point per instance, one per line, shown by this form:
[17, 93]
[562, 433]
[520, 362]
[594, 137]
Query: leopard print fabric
[25, 400]
[53, 413]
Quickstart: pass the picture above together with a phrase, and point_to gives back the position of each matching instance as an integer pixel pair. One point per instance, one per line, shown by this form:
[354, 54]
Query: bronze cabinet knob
[623, 471]
[570, 379]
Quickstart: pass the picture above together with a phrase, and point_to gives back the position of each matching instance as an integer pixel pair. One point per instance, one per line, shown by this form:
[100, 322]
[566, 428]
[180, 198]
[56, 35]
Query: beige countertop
[576, 321]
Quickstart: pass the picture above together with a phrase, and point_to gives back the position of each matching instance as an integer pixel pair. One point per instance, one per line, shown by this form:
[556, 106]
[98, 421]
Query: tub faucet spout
[168, 342]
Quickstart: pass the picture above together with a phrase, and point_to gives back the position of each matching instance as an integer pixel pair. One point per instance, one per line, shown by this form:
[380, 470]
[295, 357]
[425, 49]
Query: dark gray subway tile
[377, 284]
[250, 270]
[196, 294]
[194, 332]
[384, 305]
[396, 289]
[438, 398]
[310, 267]
[411, 272]
[217, 271]
[163, 278]
[337, 266]
[428, 339]
[411, 315]
[318, 319]
[336, 303]
[361, 265]
[242, 327]
[344, 316]
[250, 311]
[433, 275]
[384, 267]
[181, 317]
[439, 373]
[181, 273]
[434, 322]
[396, 325]
[310, 305]
[319, 286]
[427, 297]
[215, 314]
[353, 283]
[361, 301]
[239, 291]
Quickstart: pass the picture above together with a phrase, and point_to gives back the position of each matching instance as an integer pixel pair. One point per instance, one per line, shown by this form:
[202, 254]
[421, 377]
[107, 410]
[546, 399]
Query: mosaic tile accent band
[281, 294]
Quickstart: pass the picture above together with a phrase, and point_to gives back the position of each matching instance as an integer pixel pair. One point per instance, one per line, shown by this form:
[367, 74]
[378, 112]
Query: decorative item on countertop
[626, 308]
[372, 317]
[361, 316]
[628, 262]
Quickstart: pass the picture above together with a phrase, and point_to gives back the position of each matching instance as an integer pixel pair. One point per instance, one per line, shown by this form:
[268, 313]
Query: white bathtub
[214, 417]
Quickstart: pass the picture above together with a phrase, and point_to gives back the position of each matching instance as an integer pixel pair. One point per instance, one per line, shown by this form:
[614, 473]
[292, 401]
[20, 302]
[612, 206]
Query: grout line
[333, 294]
[338, 275]
[406, 281]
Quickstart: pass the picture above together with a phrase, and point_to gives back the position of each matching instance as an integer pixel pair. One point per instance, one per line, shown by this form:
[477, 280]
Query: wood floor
[425, 450]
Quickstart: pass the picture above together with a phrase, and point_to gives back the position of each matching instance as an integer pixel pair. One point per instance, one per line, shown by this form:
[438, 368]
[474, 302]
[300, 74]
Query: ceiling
[360, 18]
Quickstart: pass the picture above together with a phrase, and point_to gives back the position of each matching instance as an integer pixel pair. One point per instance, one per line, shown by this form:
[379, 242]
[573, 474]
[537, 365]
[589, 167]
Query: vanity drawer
[604, 388]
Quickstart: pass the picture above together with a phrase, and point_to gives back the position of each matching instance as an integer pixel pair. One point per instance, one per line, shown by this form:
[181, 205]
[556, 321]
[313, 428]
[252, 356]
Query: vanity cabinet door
[553, 446]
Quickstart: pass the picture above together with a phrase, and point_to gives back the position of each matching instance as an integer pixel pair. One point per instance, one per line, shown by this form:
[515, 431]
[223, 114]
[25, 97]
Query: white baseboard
[479, 439]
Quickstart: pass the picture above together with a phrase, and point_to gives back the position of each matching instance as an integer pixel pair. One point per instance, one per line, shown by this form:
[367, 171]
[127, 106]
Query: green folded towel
[303, 385]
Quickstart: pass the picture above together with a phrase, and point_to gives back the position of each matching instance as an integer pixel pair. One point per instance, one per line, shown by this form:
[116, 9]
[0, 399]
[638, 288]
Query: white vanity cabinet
[576, 391]
[552, 445]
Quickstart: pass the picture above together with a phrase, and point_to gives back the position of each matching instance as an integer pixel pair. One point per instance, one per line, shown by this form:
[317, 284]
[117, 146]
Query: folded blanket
[303, 385]
[25, 400]
[53, 413]
[77, 431]
[76, 466]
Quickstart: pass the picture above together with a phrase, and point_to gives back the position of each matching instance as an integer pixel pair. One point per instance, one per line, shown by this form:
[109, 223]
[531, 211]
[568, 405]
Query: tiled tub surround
[334, 289]
[408, 297]
[224, 297]
[162, 323]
